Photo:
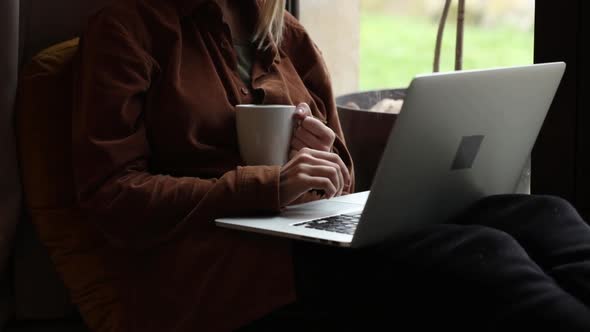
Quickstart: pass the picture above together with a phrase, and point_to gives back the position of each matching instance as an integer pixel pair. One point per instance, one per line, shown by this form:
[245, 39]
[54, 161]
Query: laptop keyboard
[344, 223]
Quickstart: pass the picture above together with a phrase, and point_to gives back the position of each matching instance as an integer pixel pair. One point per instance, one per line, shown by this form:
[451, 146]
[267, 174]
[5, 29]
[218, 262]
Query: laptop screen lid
[460, 136]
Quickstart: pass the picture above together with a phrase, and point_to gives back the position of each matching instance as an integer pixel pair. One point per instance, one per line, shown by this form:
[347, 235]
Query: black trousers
[510, 262]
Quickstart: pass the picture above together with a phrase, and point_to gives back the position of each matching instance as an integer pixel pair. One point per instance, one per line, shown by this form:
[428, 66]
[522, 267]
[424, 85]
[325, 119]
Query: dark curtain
[561, 158]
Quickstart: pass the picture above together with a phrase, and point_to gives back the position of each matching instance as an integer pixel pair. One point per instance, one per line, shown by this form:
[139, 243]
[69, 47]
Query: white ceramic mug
[264, 133]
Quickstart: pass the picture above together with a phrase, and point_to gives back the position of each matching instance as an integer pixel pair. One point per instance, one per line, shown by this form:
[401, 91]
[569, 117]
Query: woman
[156, 160]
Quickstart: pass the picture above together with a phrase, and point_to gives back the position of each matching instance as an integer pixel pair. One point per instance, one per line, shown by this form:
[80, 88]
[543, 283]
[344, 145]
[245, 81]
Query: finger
[297, 144]
[309, 140]
[293, 153]
[319, 183]
[319, 129]
[302, 111]
[307, 160]
[326, 170]
[333, 158]
[345, 172]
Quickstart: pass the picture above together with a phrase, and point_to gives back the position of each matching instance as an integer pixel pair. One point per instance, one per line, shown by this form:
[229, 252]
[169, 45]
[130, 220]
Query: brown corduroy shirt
[156, 159]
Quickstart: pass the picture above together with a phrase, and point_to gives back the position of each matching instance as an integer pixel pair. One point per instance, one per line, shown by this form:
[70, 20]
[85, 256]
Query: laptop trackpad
[319, 209]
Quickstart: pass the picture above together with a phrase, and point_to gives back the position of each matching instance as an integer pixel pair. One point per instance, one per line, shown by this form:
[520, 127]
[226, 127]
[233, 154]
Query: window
[376, 44]
[397, 38]
[383, 44]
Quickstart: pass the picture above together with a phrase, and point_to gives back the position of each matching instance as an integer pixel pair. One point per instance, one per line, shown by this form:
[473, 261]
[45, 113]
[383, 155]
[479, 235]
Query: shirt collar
[210, 10]
[189, 7]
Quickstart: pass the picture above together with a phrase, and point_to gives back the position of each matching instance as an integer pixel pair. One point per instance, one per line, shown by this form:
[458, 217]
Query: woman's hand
[310, 132]
[311, 169]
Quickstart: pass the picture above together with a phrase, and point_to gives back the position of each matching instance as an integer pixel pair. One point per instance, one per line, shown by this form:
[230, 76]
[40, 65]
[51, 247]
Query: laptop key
[345, 224]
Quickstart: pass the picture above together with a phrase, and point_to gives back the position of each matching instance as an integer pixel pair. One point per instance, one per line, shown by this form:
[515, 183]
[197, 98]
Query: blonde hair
[271, 22]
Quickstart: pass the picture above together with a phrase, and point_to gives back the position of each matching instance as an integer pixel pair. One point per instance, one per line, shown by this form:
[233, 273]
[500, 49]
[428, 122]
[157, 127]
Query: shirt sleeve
[132, 206]
[311, 67]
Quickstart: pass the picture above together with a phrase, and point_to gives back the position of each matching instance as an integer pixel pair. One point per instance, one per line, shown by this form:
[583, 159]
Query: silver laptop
[460, 136]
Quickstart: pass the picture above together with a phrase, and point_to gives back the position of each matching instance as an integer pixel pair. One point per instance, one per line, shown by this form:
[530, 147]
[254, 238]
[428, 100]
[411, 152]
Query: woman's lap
[551, 231]
[507, 262]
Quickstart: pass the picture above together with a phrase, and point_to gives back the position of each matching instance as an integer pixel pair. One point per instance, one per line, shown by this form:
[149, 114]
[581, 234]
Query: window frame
[293, 7]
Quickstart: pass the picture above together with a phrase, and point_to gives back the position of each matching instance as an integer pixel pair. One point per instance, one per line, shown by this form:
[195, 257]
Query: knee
[490, 235]
[527, 204]
[476, 248]
[552, 205]
[485, 239]
[551, 201]
[493, 204]
[500, 201]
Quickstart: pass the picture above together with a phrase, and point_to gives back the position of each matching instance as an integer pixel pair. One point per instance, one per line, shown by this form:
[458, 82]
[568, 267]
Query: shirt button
[245, 91]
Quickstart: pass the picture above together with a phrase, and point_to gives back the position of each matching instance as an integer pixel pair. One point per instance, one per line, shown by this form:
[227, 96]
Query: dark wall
[561, 158]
